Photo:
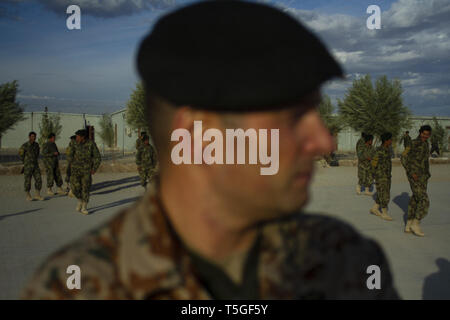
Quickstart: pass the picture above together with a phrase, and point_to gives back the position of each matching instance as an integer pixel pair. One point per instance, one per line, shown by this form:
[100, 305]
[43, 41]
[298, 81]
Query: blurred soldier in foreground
[145, 161]
[224, 231]
[85, 159]
[365, 170]
[382, 165]
[418, 172]
[359, 152]
[68, 169]
[29, 154]
[50, 154]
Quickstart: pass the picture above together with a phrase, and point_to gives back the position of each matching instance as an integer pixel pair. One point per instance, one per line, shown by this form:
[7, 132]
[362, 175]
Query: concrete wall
[125, 137]
[71, 122]
[347, 138]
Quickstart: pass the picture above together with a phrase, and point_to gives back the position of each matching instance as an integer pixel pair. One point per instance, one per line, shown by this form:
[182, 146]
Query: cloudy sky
[92, 70]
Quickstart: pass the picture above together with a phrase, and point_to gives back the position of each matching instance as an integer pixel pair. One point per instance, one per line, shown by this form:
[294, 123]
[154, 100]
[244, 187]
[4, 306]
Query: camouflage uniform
[68, 150]
[139, 143]
[417, 163]
[382, 165]
[364, 167]
[29, 154]
[359, 148]
[51, 163]
[406, 141]
[137, 255]
[146, 161]
[83, 157]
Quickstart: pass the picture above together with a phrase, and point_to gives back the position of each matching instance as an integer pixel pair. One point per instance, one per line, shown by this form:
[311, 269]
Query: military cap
[233, 56]
[73, 137]
[81, 133]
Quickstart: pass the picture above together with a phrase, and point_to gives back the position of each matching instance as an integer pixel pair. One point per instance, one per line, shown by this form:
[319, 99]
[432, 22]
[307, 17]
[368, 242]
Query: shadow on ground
[113, 183]
[402, 201]
[111, 205]
[437, 285]
[19, 213]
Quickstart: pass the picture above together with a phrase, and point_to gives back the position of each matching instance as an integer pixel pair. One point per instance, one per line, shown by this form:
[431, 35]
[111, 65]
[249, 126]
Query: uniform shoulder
[95, 254]
[329, 248]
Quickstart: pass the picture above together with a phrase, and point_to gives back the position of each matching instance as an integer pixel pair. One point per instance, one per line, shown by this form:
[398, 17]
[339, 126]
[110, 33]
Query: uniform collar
[153, 262]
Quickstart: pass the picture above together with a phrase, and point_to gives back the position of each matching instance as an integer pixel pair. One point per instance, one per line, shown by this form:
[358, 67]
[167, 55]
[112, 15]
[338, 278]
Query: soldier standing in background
[146, 161]
[85, 159]
[50, 154]
[139, 141]
[382, 165]
[418, 173]
[359, 151]
[29, 154]
[68, 168]
[406, 140]
[366, 155]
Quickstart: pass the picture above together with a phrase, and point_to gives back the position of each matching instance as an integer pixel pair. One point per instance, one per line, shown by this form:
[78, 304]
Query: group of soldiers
[376, 165]
[83, 160]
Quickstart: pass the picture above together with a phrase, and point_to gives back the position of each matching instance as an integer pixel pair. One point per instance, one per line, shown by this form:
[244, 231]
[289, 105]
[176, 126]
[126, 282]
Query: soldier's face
[302, 137]
[78, 139]
[32, 138]
[52, 139]
[425, 135]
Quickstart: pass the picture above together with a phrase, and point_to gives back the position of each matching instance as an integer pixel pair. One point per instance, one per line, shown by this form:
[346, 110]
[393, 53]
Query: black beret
[233, 55]
[81, 133]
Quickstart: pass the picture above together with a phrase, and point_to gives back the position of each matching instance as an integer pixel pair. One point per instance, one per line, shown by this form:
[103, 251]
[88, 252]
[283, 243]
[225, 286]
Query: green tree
[48, 125]
[11, 111]
[332, 121]
[375, 109]
[136, 111]
[438, 135]
[106, 130]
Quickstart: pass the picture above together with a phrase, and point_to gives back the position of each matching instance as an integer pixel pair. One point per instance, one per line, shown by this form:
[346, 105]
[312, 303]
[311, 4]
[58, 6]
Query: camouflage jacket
[139, 143]
[360, 148]
[29, 154]
[48, 152]
[145, 157]
[382, 163]
[85, 156]
[417, 159]
[69, 148]
[366, 152]
[137, 255]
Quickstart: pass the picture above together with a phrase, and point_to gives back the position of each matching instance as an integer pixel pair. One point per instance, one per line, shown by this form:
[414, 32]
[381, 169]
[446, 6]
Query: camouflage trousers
[146, 175]
[419, 202]
[383, 186]
[35, 172]
[365, 176]
[53, 175]
[80, 184]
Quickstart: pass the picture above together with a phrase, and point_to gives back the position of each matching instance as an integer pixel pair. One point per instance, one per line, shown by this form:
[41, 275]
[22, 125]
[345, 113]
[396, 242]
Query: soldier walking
[85, 159]
[68, 168]
[50, 154]
[29, 154]
[146, 161]
[382, 165]
[359, 151]
[366, 153]
[418, 173]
